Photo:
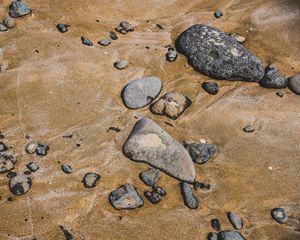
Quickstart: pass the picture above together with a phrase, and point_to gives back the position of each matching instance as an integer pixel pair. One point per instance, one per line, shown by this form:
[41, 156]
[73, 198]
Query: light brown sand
[40, 92]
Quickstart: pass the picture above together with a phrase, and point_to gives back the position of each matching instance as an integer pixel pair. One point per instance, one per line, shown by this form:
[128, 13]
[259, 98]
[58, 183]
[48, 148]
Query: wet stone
[230, 235]
[19, 9]
[273, 79]
[141, 92]
[121, 64]
[90, 179]
[31, 147]
[218, 14]
[171, 55]
[125, 27]
[235, 220]
[2, 29]
[9, 22]
[249, 129]
[279, 215]
[32, 166]
[86, 41]
[294, 84]
[20, 184]
[3, 147]
[62, 27]
[211, 87]
[150, 176]
[42, 149]
[212, 236]
[215, 224]
[189, 198]
[200, 185]
[7, 162]
[171, 104]
[216, 54]
[113, 36]
[66, 169]
[125, 197]
[104, 42]
[200, 152]
[11, 174]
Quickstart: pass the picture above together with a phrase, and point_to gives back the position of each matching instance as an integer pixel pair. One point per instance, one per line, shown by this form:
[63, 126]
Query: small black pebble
[211, 87]
[147, 47]
[200, 185]
[215, 224]
[27, 137]
[37, 51]
[3, 147]
[97, 20]
[62, 27]
[113, 36]
[42, 149]
[1, 136]
[9, 199]
[170, 124]
[25, 219]
[68, 136]
[159, 26]
[66, 169]
[78, 145]
[27, 172]
[86, 41]
[218, 14]
[279, 94]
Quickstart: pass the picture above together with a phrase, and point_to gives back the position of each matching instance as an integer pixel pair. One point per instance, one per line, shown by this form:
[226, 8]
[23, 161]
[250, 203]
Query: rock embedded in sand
[239, 38]
[200, 185]
[66, 169]
[9, 22]
[104, 42]
[86, 41]
[20, 184]
[121, 64]
[7, 162]
[32, 166]
[90, 179]
[235, 220]
[155, 195]
[125, 27]
[214, 53]
[171, 55]
[2, 29]
[215, 224]
[113, 36]
[200, 152]
[189, 198]
[230, 235]
[126, 197]
[248, 129]
[11, 174]
[149, 143]
[141, 92]
[3, 147]
[279, 94]
[212, 236]
[273, 79]
[62, 27]
[211, 87]
[19, 9]
[31, 147]
[150, 176]
[67, 234]
[294, 84]
[218, 14]
[42, 149]
[280, 215]
[171, 105]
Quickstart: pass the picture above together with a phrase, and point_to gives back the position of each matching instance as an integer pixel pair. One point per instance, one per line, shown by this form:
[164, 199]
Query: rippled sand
[69, 88]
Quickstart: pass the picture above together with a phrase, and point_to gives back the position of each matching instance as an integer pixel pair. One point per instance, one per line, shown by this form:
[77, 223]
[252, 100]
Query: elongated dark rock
[189, 198]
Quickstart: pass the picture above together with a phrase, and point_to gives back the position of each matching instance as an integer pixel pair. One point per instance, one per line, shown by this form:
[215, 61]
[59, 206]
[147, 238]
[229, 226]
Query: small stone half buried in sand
[19, 9]
[189, 198]
[235, 220]
[239, 38]
[20, 184]
[150, 176]
[200, 152]
[280, 215]
[125, 27]
[230, 235]
[32, 166]
[9, 22]
[155, 195]
[7, 162]
[121, 64]
[90, 179]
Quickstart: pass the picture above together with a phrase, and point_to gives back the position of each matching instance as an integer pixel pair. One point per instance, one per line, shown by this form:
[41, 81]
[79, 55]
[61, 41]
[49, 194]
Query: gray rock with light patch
[150, 176]
[20, 184]
[19, 9]
[90, 180]
[235, 220]
[273, 79]
[294, 84]
[7, 162]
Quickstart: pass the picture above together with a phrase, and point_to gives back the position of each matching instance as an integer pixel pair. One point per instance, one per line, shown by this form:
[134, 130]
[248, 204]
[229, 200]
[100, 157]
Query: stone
[20, 184]
[67, 234]
[171, 104]
[86, 41]
[153, 197]
[62, 27]
[162, 192]
[113, 36]
[239, 38]
[141, 92]
[31, 147]
[11, 174]
[218, 14]
[27, 172]
[235, 220]
[279, 215]
[215, 224]
[125, 27]
[230, 235]
[125, 197]
[211, 87]
[200, 185]
[19, 9]
[150, 176]
[42, 149]
[121, 64]
[216, 54]
[149, 143]
[90, 180]
[212, 236]
[279, 94]
[189, 198]
[200, 152]
[66, 169]
[248, 129]
[104, 42]
[9, 22]
[171, 55]
[3, 147]
[32, 166]
[2, 29]
[273, 79]
[294, 84]
[7, 162]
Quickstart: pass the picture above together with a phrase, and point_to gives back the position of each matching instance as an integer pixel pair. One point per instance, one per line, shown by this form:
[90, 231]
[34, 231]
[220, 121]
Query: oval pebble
[90, 179]
[20, 184]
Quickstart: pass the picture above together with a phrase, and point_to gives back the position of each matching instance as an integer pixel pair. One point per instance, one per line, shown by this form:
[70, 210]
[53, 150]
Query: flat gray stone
[230, 235]
[19, 9]
[149, 143]
[141, 92]
[216, 54]
[20, 184]
[125, 197]
[150, 176]
[90, 179]
[279, 215]
[3, 28]
[201, 152]
[235, 220]
[294, 84]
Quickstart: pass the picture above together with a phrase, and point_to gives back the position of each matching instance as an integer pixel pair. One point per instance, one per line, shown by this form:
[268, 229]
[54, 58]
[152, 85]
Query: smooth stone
[211, 87]
[230, 235]
[11, 174]
[141, 92]
[86, 41]
[31, 147]
[20, 184]
[215, 224]
[150, 176]
[279, 94]
[66, 169]
[3, 147]
[2, 29]
[7, 162]
[149, 143]
[125, 27]
[279, 215]
[113, 36]
[42, 149]
[121, 64]
[32, 166]
[294, 84]
[67, 234]
[239, 38]
[9, 22]
[171, 55]
[19, 9]
[218, 14]
[201, 152]
[216, 54]
[273, 79]
[171, 104]
[212, 236]
[153, 197]
[235, 220]
[62, 27]
[248, 129]
[189, 198]
[200, 185]
[162, 192]
[104, 42]
[90, 180]
[126, 197]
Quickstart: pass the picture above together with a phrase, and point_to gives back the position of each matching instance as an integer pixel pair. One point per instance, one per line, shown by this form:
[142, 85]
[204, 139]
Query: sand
[55, 85]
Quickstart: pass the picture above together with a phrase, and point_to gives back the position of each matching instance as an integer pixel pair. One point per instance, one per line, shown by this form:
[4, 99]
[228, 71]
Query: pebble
[218, 14]
[279, 94]
[230, 235]
[141, 92]
[215, 224]
[150, 176]
[11, 174]
[125, 197]
[7, 162]
[9, 22]
[149, 143]
[19, 9]
[200, 152]
[171, 105]
[62, 27]
[249, 129]
[86, 41]
[32, 166]
[211, 87]
[239, 38]
[90, 179]
[200, 185]
[212, 236]
[67, 234]
[162, 192]
[66, 169]
[20, 184]
[31, 147]
[214, 53]
[3, 147]
[153, 197]
[27, 172]
[125, 27]
[42, 149]
[104, 42]
[273, 79]
[171, 55]
[294, 84]
[279, 215]
[113, 36]
[235, 220]
[121, 64]
[2, 28]
[189, 198]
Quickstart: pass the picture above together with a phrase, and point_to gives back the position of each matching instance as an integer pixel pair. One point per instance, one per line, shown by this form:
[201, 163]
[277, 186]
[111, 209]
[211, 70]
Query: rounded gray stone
[230, 235]
[294, 84]
[19, 9]
[9, 22]
[121, 64]
[235, 220]
[31, 147]
[141, 92]
[2, 28]
[20, 184]
[90, 179]
[279, 215]
[189, 198]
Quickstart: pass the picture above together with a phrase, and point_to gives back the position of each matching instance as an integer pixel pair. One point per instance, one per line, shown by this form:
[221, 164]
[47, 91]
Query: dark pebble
[27, 172]
[171, 55]
[7, 162]
[215, 224]
[113, 36]
[280, 215]
[294, 84]
[68, 235]
[200, 185]
[159, 26]
[212, 236]
[273, 79]
[86, 41]
[68, 136]
[3, 147]
[188, 196]
[62, 27]
[115, 129]
[150, 176]
[19, 9]
[32, 166]
[218, 14]
[125, 27]
[162, 192]
[211, 87]
[235, 220]
[1, 136]
[27, 137]
[90, 179]
[279, 94]
[230, 235]
[104, 42]
[66, 169]
[153, 197]
[11, 174]
[248, 129]
[42, 149]
[200, 152]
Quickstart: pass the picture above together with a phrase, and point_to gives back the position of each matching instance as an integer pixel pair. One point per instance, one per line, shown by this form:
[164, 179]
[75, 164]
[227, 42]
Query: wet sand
[69, 88]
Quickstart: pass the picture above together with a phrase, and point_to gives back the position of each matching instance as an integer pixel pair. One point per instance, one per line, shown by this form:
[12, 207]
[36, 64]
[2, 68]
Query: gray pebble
[32, 166]
[150, 176]
[211, 87]
[200, 185]
[249, 129]
[230, 235]
[125, 27]
[153, 197]
[171, 55]
[280, 215]
[2, 29]
[42, 149]
[294, 84]
[11, 174]
[218, 14]
[90, 179]
[121, 64]
[212, 236]
[66, 169]
[216, 225]
[86, 41]
[62, 27]
[104, 42]
[235, 220]
[9, 22]
[19, 9]
[189, 198]
[113, 36]
[20, 184]
[3, 147]
[273, 79]
[200, 152]
[279, 94]
[31, 147]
